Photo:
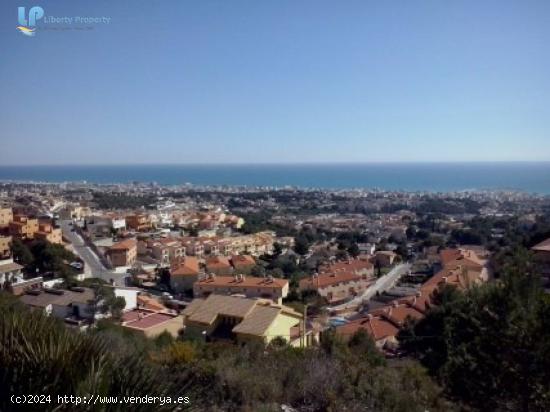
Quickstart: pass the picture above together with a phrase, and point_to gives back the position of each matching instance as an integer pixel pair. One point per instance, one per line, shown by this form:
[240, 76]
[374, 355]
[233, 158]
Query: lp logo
[27, 27]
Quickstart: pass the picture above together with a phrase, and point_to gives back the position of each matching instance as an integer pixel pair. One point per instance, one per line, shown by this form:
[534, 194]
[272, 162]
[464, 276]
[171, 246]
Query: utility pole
[303, 340]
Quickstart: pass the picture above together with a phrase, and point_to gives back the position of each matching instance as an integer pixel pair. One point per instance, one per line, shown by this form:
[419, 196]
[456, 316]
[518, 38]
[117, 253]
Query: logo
[27, 26]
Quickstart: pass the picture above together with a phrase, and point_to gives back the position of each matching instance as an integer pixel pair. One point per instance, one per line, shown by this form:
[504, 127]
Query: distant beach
[533, 177]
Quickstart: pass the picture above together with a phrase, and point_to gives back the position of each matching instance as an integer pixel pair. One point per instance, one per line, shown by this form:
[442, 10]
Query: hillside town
[241, 264]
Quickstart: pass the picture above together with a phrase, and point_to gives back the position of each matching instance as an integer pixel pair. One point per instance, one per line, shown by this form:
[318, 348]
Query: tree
[163, 276]
[105, 300]
[490, 346]
[39, 354]
[277, 249]
[301, 245]
[21, 253]
[341, 254]
[257, 270]
[49, 257]
[353, 250]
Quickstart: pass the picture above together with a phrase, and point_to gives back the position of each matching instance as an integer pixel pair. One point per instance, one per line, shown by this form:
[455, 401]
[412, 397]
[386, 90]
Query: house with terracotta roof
[383, 324]
[244, 320]
[462, 270]
[466, 259]
[359, 266]
[382, 331]
[123, 253]
[218, 265]
[184, 274]
[268, 287]
[243, 263]
[340, 281]
[152, 323]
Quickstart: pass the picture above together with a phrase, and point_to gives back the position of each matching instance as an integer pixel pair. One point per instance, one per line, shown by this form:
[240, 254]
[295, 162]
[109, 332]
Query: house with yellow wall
[243, 320]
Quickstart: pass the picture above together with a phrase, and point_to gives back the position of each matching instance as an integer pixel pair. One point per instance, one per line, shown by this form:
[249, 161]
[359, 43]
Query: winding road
[92, 264]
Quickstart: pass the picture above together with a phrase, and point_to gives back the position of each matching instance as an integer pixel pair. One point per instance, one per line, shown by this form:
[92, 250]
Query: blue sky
[278, 81]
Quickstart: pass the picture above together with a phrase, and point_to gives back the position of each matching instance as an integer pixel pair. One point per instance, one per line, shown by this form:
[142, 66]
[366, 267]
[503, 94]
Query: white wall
[129, 295]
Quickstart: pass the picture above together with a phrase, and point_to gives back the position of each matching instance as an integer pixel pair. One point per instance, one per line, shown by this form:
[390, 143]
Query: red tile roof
[190, 266]
[323, 280]
[217, 262]
[245, 282]
[377, 327]
[145, 320]
[352, 266]
[242, 260]
[124, 245]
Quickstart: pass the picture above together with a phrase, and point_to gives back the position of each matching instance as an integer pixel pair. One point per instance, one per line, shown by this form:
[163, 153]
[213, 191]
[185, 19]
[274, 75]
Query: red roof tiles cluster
[462, 268]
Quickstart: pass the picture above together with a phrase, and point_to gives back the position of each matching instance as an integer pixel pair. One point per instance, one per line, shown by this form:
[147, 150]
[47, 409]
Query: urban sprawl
[243, 264]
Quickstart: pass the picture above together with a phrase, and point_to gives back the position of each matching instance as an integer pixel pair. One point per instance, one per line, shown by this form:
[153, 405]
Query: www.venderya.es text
[99, 399]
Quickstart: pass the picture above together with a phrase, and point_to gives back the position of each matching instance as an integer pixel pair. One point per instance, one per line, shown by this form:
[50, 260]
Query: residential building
[382, 331]
[341, 281]
[76, 303]
[244, 320]
[138, 222]
[47, 232]
[23, 227]
[9, 270]
[185, 274]
[5, 246]
[123, 253]
[269, 287]
[218, 265]
[359, 266]
[6, 216]
[243, 263]
[152, 323]
[462, 270]
[336, 287]
[76, 212]
[467, 259]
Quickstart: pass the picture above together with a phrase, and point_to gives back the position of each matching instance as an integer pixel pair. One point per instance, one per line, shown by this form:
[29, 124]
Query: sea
[530, 177]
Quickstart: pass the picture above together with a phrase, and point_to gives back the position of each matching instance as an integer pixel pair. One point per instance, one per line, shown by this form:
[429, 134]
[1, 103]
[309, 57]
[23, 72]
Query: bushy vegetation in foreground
[39, 355]
[485, 349]
[490, 347]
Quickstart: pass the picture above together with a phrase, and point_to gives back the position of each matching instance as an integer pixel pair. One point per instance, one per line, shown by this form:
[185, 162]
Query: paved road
[382, 284]
[92, 265]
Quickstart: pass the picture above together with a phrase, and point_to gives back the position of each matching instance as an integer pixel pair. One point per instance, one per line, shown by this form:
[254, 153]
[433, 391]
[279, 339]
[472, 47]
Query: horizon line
[284, 163]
